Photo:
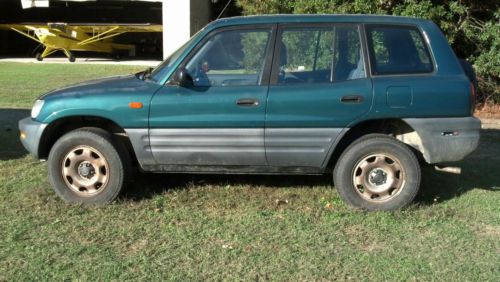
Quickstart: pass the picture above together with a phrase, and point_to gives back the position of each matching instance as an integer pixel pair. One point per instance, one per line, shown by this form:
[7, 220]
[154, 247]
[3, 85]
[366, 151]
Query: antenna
[223, 10]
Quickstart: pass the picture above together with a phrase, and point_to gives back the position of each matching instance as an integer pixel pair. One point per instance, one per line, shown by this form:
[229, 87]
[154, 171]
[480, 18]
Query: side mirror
[183, 79]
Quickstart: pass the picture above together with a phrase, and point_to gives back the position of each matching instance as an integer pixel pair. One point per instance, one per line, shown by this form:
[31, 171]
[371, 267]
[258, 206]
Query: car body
[279, 94]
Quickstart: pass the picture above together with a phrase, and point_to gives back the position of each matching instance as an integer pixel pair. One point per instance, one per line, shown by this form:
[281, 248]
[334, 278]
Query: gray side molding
[443, 139]
[33, 131]
[139, 137]
[208, 146]
[308, 147]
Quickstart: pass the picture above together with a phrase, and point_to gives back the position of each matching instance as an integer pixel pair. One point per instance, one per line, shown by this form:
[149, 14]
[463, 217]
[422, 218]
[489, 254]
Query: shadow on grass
[480, 170]
[10, 146]
[147, 185]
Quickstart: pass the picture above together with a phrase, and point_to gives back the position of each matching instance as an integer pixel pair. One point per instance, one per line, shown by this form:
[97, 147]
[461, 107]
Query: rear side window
[320, 54]
[398, 50]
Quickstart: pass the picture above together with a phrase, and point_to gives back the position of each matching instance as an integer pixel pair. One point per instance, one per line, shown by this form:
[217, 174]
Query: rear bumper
[31, 132]
[446, 139]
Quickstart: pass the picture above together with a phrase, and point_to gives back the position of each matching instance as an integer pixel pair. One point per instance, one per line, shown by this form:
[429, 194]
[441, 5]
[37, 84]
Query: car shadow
[479, 171]
[148, 185]
[10, 146]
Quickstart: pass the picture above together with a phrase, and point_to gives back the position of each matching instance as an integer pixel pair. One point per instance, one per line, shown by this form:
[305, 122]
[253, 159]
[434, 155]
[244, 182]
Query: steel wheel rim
[85, 171]
[378, 177]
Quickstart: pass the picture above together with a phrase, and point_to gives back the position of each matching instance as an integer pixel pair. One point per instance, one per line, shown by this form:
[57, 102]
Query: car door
[219, 119]
[318, 87]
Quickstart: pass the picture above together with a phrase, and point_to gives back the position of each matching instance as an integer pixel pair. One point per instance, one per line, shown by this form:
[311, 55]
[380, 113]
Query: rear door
[404, 75]
[318, 87]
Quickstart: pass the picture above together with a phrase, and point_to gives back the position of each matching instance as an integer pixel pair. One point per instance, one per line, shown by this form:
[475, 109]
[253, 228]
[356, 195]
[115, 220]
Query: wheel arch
[394, 127]
[61, 126]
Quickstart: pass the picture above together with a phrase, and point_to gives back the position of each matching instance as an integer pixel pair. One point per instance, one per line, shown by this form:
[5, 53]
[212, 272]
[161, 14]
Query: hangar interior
[180, 19]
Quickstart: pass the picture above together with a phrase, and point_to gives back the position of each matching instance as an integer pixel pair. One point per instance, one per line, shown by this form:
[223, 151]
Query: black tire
[99, 143]
[71, 58]
[367, 169]
[39, 57]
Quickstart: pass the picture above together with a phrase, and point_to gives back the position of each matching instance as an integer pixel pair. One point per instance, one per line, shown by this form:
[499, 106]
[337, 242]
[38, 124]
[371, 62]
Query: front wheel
[377, 172]
[87, 166]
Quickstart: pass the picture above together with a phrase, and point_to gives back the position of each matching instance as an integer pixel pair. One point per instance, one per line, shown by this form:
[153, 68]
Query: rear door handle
[245, 102]
[355, 99]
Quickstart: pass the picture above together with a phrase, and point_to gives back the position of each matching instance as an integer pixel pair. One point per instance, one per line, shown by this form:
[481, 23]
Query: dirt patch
[489, 111]
[490, 123]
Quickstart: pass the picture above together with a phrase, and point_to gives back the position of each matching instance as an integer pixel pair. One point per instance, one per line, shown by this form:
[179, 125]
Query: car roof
[322, 18]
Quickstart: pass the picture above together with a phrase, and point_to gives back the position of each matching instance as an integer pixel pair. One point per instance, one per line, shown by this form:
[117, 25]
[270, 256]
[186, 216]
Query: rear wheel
[87, 166]
[377, 172]
[39, 56]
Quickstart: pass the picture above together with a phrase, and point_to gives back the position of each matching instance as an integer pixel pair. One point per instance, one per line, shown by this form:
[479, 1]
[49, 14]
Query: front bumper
[446, 139]
[30, 134]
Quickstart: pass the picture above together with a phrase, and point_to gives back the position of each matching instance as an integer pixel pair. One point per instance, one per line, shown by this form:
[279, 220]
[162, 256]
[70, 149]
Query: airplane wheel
[71, 58]
[39, 57]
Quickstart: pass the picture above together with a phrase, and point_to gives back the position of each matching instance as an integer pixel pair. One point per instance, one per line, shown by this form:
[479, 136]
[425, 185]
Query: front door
[219, 120]
[318, 87]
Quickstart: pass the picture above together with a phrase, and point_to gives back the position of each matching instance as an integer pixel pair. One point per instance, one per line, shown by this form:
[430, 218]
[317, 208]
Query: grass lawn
[216, 227]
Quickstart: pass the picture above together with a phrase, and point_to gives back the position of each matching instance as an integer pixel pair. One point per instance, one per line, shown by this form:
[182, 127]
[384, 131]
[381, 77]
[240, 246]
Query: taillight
[472, 98]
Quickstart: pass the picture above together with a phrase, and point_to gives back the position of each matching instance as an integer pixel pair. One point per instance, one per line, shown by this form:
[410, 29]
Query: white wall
[176, 24]
[181, 19]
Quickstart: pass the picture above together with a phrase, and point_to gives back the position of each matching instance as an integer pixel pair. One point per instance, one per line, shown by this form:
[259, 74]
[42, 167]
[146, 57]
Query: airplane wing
[122, 27]
[23, 26]
[87, 27]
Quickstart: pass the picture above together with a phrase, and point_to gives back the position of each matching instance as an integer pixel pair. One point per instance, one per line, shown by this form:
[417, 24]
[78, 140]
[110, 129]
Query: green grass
[216, 227]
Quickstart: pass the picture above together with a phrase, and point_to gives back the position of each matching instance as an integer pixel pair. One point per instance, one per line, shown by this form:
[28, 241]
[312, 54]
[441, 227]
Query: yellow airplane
[68, 37]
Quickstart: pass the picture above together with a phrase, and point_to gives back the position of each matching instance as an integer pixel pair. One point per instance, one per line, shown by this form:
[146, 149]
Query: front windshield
[161, 70]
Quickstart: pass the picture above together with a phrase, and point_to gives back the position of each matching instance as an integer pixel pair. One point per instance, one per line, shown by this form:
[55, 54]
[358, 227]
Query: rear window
[398, 50]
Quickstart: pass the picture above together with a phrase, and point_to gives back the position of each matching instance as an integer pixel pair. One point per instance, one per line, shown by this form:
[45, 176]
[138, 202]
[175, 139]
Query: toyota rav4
[364, 98]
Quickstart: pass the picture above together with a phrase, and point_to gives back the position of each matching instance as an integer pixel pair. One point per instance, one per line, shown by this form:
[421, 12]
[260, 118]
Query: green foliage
[471, 26]
[254, 47]
[302, 46]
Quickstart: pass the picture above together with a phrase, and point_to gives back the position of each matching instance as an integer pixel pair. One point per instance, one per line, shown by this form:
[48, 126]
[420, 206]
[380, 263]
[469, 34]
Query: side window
[305, 55]
[230, 58]
[398, 50]
[320, 54]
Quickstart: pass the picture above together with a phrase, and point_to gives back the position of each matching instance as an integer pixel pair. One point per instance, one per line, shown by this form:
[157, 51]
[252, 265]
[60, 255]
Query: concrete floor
[62, 60]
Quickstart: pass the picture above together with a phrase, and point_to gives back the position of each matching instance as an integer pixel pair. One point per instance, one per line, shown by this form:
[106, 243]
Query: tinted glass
[398, 50]
[348, 61]
[230, 58]
[320, 54]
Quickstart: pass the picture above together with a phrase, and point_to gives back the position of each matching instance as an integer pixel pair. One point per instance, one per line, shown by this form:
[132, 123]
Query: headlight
[37, 107]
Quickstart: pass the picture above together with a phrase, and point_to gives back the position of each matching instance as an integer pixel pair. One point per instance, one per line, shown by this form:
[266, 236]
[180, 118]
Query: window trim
[277, 51]
[264, 78]
[371, 56]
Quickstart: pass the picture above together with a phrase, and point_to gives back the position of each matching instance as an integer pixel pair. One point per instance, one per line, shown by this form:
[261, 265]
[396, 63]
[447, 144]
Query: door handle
[247, 102]
[355, 99]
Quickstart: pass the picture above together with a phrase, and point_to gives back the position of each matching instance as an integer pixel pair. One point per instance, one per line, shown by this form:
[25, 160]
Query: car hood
[114, 84]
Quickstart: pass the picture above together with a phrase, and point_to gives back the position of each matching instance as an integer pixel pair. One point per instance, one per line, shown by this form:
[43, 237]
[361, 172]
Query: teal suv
[364, 98]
